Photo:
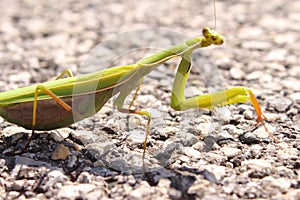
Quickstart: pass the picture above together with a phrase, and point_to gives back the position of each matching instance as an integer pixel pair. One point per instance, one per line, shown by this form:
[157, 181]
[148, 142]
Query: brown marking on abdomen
[50, 115]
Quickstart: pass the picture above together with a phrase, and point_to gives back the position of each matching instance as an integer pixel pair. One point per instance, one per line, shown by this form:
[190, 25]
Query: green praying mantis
[48, 105]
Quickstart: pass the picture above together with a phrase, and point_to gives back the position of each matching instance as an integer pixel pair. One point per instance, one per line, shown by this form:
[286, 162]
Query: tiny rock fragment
[257, 164]
[61, 134]
[12, 130]
[262, 133]
[254, 75]
[77, 191]
[280, 103]
[236, 73]
[230, 152]
[277, 55]
[17, 185]
[190, 151]
[248, 114]
[248, 138]
[13, 195]
[136, 137]
[295, 96]
[214, 170]
[60, 153]
[291, 84]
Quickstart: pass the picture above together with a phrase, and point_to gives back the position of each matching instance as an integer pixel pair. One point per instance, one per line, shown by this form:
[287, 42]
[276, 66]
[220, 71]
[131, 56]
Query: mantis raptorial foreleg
[180, 103]
[216, 99]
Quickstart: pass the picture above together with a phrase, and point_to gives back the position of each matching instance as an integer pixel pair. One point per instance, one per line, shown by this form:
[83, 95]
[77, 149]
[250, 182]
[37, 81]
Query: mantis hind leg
[34, 112]
[35, 101]
[212, 100]
[39, 88]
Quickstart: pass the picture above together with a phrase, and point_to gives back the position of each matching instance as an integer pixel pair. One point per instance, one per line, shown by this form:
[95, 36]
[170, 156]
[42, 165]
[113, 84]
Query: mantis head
[212, 37]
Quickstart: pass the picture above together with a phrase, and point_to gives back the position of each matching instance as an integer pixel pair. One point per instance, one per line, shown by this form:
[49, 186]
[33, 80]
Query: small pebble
[291, 84]
[277, 55]
[72, 161]
[257, 164]
[281, 104]
[75, 191]
[61, 152]
[14, 195]
[17, 185]
[190, 151]
[254, 75]
[60, 134]
[216, 170]
[137, 137]
[230, 152]
[295, 96]
[236, 73]
[248, 138]
[248, 114]
[84, 177]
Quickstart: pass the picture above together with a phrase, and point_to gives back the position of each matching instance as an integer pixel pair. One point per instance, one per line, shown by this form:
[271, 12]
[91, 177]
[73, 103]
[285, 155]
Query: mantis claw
[260, 116]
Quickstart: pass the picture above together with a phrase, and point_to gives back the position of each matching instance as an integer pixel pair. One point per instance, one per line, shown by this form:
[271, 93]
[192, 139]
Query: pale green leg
[119, 102]
[212, 100]
[52, 95]
[67, 72]
[216, 99]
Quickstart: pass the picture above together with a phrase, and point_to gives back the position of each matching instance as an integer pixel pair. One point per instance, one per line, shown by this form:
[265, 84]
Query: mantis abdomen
[51, 115]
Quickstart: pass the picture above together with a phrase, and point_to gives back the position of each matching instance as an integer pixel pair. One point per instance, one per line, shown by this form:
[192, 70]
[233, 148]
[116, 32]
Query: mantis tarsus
[48, 105]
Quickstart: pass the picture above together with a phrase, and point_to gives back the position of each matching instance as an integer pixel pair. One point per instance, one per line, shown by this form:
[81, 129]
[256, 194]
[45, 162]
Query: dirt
[194, 154]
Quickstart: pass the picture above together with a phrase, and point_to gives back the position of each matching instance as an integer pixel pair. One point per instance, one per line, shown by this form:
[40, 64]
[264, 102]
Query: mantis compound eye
[218, 39]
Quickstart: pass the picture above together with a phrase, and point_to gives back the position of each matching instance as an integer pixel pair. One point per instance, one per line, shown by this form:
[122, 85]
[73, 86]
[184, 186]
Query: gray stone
[61, 134]
[76, 191]
[230, 152]
[236, 73]
[280, 103]
[257, 164]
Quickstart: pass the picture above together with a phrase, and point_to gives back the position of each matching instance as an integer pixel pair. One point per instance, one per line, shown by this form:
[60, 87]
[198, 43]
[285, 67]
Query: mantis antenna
[215, 14]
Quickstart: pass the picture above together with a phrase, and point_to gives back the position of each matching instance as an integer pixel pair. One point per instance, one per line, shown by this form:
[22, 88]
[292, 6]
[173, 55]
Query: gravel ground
[217, 154]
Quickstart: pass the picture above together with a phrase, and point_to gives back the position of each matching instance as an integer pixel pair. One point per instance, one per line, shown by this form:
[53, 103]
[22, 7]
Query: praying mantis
[48, 105]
